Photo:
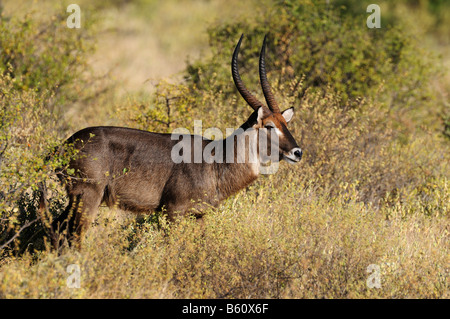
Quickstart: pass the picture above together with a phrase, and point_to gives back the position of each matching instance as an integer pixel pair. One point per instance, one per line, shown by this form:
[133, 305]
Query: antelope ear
[288, 114]
[263, 112]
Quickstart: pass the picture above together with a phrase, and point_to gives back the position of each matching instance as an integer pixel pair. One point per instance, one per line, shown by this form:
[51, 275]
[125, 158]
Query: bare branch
[27, 224]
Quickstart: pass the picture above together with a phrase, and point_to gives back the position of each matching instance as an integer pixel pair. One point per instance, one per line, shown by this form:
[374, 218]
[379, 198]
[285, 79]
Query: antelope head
[268, 120]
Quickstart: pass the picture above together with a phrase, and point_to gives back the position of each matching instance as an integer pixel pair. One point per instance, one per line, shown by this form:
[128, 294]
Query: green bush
[39, 62]
[169, 107]
[331, 51]
[41, 55]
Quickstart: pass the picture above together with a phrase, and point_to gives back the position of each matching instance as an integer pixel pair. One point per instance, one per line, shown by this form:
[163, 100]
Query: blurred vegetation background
[372, 116]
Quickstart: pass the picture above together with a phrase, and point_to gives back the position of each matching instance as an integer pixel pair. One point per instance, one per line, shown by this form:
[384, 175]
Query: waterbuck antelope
[136, 171]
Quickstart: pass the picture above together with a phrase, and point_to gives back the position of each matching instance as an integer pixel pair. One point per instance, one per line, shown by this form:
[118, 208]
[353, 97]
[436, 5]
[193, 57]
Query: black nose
[298, 153]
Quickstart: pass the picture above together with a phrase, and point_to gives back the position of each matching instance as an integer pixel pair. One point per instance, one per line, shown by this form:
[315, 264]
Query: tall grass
[258, 245]
[370, 193]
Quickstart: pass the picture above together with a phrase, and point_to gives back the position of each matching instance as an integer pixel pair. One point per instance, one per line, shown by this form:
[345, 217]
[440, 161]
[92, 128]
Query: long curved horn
[270, 99]
[248, 97]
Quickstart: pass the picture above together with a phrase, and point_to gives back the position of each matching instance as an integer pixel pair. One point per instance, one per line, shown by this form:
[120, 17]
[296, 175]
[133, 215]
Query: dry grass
[372, 188]
[313, 235]
[258, 245]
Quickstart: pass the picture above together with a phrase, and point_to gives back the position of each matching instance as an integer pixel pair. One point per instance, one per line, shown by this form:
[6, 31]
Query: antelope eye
[269, 125]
